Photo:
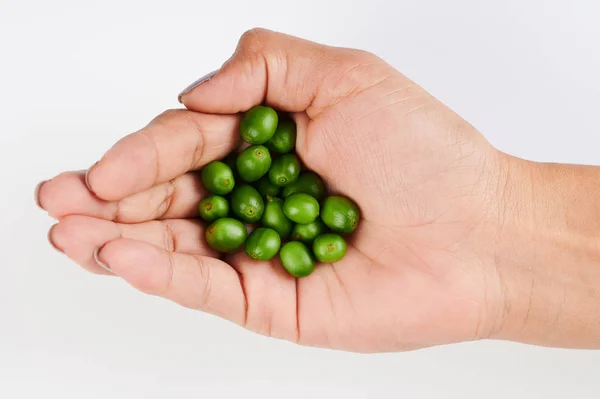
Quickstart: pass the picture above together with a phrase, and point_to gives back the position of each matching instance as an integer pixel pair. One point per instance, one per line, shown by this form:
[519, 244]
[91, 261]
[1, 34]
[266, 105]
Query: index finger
[175, 142]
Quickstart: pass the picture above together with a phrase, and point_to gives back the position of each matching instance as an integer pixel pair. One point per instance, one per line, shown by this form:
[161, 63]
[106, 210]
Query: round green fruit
[284, 170]
[274, 218]
[301, 208]
[217, 178]
[308, 183]
[284, 139]
[297, 259]
[213, 208]
[226, 235]
[329, 248]
[262, 244]
[258, 124]
[253, 163]
[247, 204]
[306, 233]
[340, 214]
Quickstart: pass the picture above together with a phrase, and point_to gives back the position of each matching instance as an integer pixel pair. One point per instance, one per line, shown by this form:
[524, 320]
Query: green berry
[284, 170]
[301, 208]
[284, 139]
[253, 163]
[226, 235]
[308, 183]
[247, 204]
[262, 244]
[217, 178]
[306, 233]
[340, 214]
[213, 208]
[258, 124]
[266, 188]
[274, 218]
[329, 248]
[297, 259]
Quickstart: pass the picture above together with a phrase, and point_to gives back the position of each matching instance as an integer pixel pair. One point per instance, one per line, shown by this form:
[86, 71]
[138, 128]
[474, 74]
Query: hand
[419, 271]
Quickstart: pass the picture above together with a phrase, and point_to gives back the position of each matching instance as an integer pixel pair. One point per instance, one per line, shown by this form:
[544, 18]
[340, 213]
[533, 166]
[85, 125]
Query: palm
[406, 256]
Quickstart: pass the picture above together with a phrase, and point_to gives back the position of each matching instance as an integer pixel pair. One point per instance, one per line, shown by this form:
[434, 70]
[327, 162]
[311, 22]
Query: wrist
[547, 256]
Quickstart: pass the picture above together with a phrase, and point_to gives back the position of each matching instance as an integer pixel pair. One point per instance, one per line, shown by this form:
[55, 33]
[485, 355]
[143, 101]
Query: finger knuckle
[169, 237]
[199, 147]
[363, 64]
[254, 39]
[170, 116]
[204, 283]
[165, 289]
[178, 118]
[168, 193]
[366, 55]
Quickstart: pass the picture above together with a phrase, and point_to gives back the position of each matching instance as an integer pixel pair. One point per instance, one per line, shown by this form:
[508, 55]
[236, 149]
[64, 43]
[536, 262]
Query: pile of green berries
[265, 185]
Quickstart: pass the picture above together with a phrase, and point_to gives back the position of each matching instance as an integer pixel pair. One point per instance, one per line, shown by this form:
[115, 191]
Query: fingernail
[99, 262]
[197, 83]
[36, 194]
[87, 174]
[52, 244]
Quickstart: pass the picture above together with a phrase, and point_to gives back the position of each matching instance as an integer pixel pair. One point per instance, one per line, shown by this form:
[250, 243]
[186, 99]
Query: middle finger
[67, 194]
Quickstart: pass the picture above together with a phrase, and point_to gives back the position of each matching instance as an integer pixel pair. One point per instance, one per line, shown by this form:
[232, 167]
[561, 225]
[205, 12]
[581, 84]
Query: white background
[78, 75]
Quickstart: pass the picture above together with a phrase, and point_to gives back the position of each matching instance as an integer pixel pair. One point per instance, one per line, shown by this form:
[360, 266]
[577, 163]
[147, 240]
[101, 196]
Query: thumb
[283, 71]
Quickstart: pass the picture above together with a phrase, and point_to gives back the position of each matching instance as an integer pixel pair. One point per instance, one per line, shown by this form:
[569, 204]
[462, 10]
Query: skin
[458, 241]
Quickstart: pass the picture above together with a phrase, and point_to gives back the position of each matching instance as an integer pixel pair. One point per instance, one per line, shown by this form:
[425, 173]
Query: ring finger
[80, 237]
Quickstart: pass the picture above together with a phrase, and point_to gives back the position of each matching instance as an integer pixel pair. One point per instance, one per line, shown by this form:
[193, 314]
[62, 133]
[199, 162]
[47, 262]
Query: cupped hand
[419, 270]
